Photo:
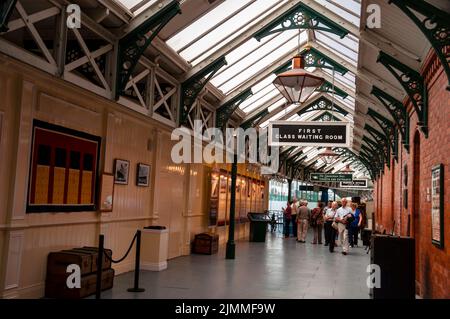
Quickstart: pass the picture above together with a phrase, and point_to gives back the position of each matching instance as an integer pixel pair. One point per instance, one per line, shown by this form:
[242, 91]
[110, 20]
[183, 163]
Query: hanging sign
[322, 177]
[326, 134]
[356, 183]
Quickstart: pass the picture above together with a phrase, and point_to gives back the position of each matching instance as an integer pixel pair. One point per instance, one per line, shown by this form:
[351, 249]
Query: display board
[63, 169]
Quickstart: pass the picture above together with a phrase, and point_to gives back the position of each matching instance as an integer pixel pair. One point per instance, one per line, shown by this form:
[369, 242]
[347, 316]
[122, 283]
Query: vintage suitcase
[206, 243]
[57, 262]
[106, 262]
[56, 286]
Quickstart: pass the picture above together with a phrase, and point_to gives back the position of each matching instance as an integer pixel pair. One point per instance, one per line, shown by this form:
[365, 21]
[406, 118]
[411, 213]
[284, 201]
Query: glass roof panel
[347, 9]
[262, 63]
[211, 19]
[221, 33]
[252, 105]
[136, 6]
[242, 60]
[338, 48]
[279, 115]
[279, 103]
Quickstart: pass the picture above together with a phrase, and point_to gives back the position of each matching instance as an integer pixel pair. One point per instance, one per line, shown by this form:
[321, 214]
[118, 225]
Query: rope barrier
[126, 254]
[101, 253]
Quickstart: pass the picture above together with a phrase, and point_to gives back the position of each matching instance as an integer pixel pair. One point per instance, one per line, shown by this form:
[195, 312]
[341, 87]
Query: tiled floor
[278, 268]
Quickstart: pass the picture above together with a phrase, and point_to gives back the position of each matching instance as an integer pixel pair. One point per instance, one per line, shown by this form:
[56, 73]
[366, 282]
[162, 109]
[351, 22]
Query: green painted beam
[301, 17]
[413, 84]
[133, 45]
[6, 9]
[192, 87]
[435, 26]
[398, 112]
[322, 104]
[224, 112]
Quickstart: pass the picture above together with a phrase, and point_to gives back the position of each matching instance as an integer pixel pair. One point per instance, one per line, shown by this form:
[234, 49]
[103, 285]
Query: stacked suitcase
[86, 259]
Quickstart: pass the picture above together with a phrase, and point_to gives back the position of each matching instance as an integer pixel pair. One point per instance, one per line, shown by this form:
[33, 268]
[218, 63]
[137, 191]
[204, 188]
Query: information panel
[322, 177]
[356, 183]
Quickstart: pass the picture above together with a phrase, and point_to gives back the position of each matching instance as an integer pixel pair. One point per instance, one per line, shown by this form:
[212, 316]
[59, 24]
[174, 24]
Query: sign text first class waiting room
[325, 134]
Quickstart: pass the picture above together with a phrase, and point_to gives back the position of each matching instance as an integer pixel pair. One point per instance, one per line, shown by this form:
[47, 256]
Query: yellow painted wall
[177, 196]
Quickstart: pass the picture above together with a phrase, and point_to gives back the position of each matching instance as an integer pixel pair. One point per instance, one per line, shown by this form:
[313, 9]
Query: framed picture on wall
[107, 193]
[142, 175]
[437, 205]
[121, 171]
[63, 169]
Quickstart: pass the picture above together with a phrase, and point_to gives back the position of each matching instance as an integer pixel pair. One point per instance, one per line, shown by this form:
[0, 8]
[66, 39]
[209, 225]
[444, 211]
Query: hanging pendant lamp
[347, 170]
[328, 156]
[297, 84]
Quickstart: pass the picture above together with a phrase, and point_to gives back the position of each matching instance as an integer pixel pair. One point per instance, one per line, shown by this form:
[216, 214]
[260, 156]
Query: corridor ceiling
[210, 29]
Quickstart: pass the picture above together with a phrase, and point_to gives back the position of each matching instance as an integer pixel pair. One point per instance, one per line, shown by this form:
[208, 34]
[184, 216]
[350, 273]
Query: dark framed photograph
[143, 175]
[437, 205]
[121, 171]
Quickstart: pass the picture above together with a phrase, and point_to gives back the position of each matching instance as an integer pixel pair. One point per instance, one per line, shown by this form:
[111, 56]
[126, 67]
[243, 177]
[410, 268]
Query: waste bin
[154, 248]
[258, 226]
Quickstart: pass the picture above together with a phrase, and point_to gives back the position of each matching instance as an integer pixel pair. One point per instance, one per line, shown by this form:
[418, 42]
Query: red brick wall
[433, 263]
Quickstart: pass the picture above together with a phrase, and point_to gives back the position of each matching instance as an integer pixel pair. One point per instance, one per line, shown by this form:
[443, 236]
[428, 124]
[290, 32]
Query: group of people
[339, 221]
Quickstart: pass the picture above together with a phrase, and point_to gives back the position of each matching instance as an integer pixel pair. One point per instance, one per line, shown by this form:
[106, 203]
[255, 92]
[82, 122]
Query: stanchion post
[137, 265]
[98, 289]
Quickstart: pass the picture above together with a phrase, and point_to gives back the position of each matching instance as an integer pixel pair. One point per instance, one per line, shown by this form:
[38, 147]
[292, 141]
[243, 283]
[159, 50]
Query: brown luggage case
[57, 262]
[56, 287]
[106, 262]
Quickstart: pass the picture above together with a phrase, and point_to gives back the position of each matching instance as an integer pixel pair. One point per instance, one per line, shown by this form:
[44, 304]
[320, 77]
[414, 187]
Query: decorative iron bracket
[382, 141]
[398, 112]
[414, 85]
[224, 112]
[367, 164]
[322, 104]
[133, 45]
[315, 58]
[301, 17]
[381, 148]
[6, 9]
[327, 87]
[192, 87]
[254, 120]
[434, 24]
[390, 132]
[326, 116]
[375, 155]
[377, 167]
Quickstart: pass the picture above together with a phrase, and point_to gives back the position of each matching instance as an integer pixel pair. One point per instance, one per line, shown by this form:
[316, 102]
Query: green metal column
[230, 253]
[289, 189]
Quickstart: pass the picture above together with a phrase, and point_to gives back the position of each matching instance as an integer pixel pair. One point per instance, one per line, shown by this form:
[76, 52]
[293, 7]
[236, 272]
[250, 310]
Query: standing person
[294, 216]
[355, 225]
[317, 222]
[329, 229]
[303, 217]
[287, 212]
[341, 220]
[327, 221]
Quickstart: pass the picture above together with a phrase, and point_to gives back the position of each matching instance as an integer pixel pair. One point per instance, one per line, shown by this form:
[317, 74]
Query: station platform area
[277, 269]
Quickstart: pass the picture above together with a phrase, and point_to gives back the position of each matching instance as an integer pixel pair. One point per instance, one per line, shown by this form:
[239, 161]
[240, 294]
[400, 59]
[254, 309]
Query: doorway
[416, 206]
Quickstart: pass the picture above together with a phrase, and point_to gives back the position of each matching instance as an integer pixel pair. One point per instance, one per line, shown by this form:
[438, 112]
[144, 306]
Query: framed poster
[142, 175]
[214, 198]
[437, 205]
[107, 193]
[63, 169]
[121, 171]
